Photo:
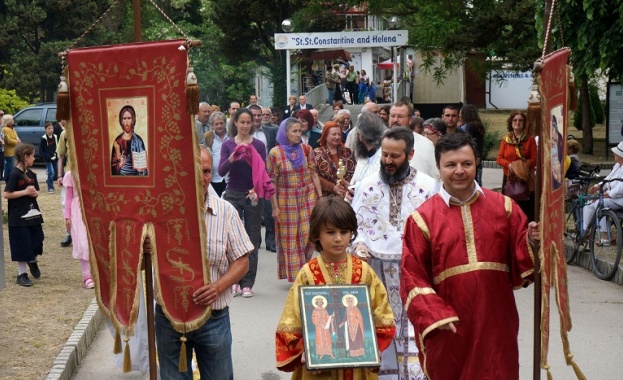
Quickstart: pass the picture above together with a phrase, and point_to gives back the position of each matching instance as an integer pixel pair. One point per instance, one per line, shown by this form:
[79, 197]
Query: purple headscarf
[294, 152]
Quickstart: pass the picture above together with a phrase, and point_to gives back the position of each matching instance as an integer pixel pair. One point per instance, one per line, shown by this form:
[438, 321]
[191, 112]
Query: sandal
[88, 283]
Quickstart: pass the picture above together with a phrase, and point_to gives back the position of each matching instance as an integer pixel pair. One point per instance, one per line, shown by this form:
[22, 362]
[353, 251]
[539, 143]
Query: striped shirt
[227, 241]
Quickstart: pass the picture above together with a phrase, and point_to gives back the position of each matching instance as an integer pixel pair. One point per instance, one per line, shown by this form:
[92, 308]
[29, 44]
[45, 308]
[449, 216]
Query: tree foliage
[502, 30]
[593, 29]
[10, 102]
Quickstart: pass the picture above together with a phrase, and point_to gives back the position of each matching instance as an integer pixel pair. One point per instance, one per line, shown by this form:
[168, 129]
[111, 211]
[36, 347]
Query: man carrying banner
[464, 251]
[229, 261]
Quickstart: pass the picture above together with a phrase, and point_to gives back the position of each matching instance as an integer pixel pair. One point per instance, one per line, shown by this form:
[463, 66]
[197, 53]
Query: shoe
[67, 241]
[51, 191]
[247, 292]
[271, 248]
[23, 280]
[88, 283]
[34, 269]
[234, 289]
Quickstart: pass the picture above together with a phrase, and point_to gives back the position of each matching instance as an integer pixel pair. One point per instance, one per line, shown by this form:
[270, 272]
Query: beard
[361, 150]
[401, 173]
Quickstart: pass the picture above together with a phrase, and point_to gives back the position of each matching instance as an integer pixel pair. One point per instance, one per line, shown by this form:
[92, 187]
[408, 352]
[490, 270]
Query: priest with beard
[383, 201]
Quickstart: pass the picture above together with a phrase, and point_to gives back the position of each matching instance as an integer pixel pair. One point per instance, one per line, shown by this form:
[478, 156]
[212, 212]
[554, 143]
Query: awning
[387, 65]
[326, 55]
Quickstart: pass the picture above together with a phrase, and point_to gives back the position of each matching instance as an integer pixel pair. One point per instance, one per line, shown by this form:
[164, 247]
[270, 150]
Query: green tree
[593, 31]
[32, 34]
[10, 102]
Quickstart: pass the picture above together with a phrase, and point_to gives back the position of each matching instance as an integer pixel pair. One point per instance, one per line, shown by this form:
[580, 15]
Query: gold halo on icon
[319, 297]
[347, 297]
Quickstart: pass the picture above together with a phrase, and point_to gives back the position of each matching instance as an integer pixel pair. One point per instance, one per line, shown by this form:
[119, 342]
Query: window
[29, 118]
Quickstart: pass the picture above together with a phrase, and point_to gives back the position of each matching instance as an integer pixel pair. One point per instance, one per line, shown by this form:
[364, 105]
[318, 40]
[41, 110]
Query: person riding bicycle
[613, 191]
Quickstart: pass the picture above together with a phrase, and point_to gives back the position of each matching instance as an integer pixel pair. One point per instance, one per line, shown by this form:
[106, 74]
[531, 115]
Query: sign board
[614, 122]
[341, 39]
[508, 89]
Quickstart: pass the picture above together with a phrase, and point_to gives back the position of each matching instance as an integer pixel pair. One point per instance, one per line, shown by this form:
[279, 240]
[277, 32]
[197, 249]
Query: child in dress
[25, 232]
[75, 224]
[333, 225]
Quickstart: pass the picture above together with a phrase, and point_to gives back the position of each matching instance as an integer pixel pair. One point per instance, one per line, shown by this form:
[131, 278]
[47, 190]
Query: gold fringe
[117, 345]
[546, 367]
[127, 359]
[183, 365]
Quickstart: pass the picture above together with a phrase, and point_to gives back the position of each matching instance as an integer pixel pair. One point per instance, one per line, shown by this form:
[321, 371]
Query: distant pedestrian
[25, 232]
[10, 142]
[47, 150]
[75, 224]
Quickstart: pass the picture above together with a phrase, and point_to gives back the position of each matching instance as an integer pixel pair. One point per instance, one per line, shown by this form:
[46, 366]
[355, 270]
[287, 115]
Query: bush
[492, 141]
[10, 102]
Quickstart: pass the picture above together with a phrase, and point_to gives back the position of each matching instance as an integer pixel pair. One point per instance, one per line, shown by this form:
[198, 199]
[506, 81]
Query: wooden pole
[138, 32]
[149, 302]
[149, 280]
[536, 359]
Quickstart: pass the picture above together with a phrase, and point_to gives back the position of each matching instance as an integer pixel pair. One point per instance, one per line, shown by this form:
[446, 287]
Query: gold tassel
[573, 92]
[192, 92]
[127, 359]
[533, 115]
[183, 365]
[117, 346]
[62, 100]
[578, 372]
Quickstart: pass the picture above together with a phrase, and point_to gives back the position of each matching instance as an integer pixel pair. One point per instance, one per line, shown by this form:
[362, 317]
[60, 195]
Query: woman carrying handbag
[517, 157]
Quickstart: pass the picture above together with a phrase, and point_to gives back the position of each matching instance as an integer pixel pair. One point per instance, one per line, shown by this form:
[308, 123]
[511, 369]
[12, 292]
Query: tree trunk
[587, 123]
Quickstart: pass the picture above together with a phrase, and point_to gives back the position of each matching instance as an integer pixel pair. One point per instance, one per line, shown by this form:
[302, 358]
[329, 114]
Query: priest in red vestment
[464, 252]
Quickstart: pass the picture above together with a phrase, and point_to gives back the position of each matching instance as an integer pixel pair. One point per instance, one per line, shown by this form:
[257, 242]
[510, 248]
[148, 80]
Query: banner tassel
[546, 367]
[183, 364]
[192, 92]
[117, 345]
[127, 359]
[62, 100]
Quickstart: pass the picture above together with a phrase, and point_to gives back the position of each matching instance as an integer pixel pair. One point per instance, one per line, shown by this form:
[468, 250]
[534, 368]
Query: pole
[288, 84]
[536, 359]
[149, 281]
[395, 78]
[138, 35]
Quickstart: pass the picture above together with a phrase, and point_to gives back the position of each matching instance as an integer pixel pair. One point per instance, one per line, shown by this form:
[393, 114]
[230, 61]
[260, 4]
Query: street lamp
[394, 23]
[288, 27]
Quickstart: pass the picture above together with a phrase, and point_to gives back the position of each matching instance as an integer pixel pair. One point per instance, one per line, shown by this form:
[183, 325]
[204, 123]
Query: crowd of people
[350, 189]
[362, 193]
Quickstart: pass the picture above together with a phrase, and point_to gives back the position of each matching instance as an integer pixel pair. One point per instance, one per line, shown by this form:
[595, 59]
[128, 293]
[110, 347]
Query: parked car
[30, 122]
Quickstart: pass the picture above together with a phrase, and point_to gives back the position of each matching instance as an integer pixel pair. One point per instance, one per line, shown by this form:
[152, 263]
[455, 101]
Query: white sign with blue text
[341, 40]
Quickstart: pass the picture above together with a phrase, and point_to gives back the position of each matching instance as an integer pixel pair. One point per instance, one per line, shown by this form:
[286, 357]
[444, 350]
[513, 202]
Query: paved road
[596, 339]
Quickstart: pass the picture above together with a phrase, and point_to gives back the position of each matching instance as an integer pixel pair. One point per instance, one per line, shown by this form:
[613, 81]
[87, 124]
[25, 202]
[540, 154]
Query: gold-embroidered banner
[135, 152]
[554, 89]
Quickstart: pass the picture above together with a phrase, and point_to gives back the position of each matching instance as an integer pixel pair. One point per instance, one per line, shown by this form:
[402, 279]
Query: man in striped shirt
[228, 260]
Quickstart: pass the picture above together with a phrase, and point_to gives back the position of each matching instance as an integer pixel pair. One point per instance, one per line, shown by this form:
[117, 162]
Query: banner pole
[149, 281]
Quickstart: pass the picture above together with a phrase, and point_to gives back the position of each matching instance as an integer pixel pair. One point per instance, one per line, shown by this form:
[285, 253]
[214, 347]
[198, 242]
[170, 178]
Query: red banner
[554, 84]
[136, 156]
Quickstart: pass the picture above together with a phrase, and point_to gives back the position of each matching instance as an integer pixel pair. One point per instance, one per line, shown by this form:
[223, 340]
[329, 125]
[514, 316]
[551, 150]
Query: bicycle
[603, 234]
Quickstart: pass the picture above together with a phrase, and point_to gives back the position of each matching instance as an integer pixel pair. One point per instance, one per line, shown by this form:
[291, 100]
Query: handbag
[517, 190]
[521, 171]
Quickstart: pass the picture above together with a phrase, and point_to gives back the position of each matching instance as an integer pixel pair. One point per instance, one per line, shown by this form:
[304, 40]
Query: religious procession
[344, 218]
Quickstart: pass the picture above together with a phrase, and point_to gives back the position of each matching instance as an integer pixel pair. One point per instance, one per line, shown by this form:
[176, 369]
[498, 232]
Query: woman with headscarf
[328, 154]
[518, 145]
[292, 169]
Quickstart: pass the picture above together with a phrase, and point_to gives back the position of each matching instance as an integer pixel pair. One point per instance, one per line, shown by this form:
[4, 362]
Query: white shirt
[217, 144]
[424, 156]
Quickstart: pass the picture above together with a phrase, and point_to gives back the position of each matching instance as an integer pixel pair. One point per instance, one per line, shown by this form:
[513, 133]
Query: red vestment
[460, 263]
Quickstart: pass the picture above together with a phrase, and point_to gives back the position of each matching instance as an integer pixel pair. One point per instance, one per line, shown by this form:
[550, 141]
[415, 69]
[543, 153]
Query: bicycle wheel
[571, 235]
[605, 245]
